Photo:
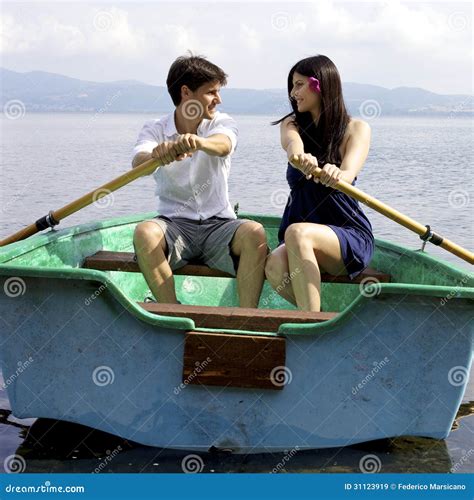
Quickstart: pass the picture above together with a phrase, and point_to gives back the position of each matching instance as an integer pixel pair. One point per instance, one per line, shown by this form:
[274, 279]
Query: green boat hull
[394, 361]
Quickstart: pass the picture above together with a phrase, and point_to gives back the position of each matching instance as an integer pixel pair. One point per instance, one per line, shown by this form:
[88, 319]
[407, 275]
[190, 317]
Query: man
[196, 220]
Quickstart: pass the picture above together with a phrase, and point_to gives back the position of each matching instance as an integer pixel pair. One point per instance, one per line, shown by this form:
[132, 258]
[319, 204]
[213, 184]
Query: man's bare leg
[250, 245]
[151, 248]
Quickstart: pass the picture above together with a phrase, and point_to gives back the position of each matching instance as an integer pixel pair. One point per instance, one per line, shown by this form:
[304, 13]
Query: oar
[424, 232]
[54, 217]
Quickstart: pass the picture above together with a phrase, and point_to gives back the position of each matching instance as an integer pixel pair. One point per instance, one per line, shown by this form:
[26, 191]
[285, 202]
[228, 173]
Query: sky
[387, 43]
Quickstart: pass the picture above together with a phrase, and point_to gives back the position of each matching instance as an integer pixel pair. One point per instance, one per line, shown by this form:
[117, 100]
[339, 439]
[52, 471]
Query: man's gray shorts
[200, 241]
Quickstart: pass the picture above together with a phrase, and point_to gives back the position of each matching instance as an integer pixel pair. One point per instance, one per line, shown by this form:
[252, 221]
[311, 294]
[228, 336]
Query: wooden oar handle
[295, 161]
[402, 219]
[145, 168]
[54, 217]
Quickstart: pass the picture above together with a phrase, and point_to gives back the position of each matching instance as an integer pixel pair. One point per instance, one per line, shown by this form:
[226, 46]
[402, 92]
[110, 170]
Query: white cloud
[13, 36]
[111, 33]
[387, 43]
[249, 37]
[177, 37]
[102, 31]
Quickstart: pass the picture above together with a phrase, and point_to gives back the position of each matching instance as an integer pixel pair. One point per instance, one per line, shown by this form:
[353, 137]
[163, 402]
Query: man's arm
[166, 152]
[140, 158]
[214, 145]
[146, 142]
[186, 145]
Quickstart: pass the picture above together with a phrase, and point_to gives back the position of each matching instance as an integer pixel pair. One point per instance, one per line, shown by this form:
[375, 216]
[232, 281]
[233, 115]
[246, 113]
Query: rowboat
[389, 356]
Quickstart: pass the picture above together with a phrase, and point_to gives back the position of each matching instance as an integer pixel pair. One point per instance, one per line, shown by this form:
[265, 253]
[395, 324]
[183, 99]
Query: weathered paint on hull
[383, 372]
[394, 361]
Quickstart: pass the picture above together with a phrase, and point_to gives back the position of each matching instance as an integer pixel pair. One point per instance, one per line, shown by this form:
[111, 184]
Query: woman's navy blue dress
[311, 202]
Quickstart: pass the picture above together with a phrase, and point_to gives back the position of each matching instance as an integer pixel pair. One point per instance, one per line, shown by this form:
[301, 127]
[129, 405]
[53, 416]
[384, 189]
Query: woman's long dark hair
[324, 138]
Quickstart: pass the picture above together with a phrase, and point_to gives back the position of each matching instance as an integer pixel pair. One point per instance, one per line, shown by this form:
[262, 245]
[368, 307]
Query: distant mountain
[41, 91]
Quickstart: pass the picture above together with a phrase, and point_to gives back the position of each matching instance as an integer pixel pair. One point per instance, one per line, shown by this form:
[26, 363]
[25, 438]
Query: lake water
[420, 166]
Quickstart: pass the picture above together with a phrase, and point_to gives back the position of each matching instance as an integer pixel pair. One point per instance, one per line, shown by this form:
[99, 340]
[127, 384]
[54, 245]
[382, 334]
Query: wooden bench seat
[124, 261]
[237, 318]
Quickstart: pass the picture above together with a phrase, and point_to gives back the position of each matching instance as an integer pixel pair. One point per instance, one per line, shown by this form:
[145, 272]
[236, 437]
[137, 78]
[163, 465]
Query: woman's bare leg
[311, 248]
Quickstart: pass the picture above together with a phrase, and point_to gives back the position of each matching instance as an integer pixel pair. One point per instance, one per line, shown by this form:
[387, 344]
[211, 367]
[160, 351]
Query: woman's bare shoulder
[357, 130]
[289, 122]
[356, 125]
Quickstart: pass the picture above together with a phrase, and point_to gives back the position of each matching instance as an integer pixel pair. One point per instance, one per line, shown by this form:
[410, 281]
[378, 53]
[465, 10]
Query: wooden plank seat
[124, 261]
[237, 318]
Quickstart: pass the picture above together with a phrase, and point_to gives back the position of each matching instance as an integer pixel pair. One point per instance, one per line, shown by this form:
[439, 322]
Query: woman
[322, 229]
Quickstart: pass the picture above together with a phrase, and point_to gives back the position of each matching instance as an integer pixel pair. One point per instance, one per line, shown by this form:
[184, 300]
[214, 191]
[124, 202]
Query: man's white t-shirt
[197, 187]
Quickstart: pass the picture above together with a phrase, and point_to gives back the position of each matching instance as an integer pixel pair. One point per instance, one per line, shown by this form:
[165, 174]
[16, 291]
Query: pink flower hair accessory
[314, 84]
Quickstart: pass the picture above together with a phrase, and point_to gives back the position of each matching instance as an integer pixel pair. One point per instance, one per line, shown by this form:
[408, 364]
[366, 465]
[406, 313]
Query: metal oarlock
[46, 221]
[431, 237]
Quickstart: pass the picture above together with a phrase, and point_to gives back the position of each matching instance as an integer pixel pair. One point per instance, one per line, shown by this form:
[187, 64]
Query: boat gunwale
[14, 250]
[55, 235]
[181, 323]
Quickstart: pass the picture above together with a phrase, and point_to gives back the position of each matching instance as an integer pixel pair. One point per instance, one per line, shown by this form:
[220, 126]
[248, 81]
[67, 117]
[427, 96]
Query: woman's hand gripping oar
[424, 232]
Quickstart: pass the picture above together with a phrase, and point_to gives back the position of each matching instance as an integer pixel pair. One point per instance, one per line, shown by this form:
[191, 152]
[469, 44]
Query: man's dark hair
[192, 71]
